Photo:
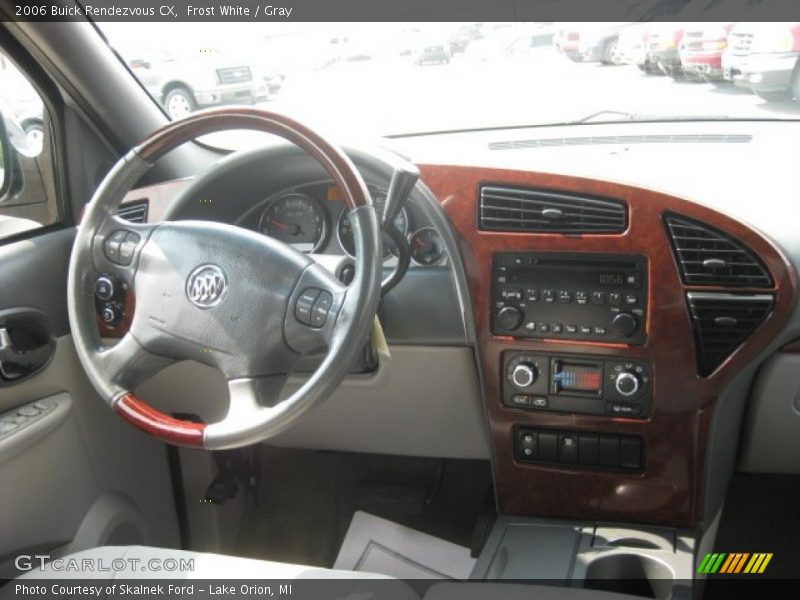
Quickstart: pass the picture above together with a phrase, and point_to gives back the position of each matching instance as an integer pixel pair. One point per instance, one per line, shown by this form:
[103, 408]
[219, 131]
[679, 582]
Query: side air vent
[135, 212]
[722, 322]
[707, 256]
[545, 211]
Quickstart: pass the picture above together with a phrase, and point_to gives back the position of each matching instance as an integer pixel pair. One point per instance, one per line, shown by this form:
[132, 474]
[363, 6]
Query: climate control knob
[509, 318]
[524, 375]
[627, 384]
[624, 325]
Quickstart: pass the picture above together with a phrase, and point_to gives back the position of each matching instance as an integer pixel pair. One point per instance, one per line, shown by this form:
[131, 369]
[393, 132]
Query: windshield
[407, 78]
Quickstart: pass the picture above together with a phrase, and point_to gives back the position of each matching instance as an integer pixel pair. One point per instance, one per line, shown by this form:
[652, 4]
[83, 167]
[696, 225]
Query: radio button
[511, 294]
[615, 298]
[530, 326]
[631, 299]
[565, 296]
[532, 295]
[549, 296]
[600, 330]
[586, 330]
[598, 297]
[557, 328]
[544, 327]
[581, 297]
[509, 318]
[624, 325]
[571, 329]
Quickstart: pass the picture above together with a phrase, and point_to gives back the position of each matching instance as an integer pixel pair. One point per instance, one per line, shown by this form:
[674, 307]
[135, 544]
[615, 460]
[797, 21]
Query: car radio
[594, 297]
[577, 384]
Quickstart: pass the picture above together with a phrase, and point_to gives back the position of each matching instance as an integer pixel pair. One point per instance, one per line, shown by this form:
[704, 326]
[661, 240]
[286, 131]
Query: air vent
[722, 322]
[624, 140]
[545, 211]
[707, 256]
[135, 212]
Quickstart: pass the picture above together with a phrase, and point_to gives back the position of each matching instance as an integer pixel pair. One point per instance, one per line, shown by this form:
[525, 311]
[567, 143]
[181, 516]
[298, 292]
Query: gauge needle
[280, 224]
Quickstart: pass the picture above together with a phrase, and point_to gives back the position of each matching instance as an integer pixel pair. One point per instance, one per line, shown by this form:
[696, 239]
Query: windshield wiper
[629, 116]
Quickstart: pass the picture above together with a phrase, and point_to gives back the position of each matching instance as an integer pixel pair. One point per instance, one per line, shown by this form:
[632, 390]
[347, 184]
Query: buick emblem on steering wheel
[206, 286]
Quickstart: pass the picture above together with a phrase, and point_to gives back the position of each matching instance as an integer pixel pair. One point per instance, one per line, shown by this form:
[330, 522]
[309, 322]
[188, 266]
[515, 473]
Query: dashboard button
[568, 447]
[588, 449]
[581, 297]
[557, 328]
[519, 400]
[630, 453]
[544, 327]
[586, 330]
[538, 401]
[615, 298]
[527, 445]
[631, 299]
[598, 297]
[565, 296]
[549, 296]
[600, 330]
[548, 446]
[571, 329]
[608, 454]
[511, 294]
[532, 295]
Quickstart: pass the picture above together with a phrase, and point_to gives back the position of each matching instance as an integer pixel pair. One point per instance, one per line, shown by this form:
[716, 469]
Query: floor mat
[376, 545]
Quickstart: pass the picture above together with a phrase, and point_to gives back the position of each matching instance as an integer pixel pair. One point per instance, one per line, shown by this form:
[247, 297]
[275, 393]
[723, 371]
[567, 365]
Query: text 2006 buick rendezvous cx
[393, 328]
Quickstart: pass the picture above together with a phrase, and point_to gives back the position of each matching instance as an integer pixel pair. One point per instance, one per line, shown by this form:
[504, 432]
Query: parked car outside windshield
[384, 79]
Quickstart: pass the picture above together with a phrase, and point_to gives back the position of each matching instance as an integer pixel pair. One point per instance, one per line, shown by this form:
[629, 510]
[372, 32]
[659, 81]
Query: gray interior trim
[771, 436]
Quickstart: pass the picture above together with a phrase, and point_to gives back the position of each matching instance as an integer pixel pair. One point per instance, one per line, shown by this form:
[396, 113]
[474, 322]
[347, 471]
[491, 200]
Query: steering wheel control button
[321, 308]
[305, 305]
[127, 249]
[104, 288]
[113, 243]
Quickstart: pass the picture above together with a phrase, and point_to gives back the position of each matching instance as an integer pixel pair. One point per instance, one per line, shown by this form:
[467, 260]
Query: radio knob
[524, 375]
[624, 325]
[509, 318]
[627, 384]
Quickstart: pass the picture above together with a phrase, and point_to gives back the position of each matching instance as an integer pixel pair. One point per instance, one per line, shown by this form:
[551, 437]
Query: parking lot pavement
[370, 98]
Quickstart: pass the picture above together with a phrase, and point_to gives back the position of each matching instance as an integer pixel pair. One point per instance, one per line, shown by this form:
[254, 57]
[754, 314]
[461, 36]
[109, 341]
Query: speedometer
[295, 219]
[344, 229]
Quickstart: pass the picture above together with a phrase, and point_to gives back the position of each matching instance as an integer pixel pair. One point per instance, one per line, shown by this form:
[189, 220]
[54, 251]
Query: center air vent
[544, 211]
[722, 322]
[707, 256]
[134, 212]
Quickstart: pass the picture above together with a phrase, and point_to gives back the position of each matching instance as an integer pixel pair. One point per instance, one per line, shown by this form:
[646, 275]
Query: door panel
[74, 468]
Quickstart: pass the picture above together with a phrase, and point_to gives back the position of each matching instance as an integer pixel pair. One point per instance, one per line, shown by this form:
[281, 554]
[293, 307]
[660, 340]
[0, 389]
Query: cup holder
[633, 574]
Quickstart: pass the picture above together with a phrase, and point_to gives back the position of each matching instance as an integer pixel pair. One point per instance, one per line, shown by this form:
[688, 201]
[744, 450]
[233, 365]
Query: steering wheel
[233, 299]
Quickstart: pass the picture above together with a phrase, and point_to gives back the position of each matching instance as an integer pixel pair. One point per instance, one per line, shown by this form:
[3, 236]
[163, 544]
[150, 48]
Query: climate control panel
[570, 296]
[580, 384]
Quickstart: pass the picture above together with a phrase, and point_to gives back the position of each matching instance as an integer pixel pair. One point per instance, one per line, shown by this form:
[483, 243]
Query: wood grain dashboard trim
[669, 491]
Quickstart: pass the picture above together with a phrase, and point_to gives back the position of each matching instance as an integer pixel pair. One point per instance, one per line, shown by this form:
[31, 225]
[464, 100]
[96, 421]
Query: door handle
[26, 345]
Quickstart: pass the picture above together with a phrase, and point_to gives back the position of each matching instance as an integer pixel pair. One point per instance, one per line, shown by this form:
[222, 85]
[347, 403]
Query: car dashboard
[616, 310]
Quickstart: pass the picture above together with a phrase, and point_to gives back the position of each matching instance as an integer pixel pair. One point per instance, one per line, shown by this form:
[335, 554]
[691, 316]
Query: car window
[27, 193]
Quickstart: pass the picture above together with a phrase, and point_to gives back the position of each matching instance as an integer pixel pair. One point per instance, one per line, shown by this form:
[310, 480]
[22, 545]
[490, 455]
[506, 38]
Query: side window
[27, 183]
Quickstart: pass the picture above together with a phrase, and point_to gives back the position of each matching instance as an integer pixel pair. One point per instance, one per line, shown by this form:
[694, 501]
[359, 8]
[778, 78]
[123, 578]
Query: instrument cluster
[314, 218]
